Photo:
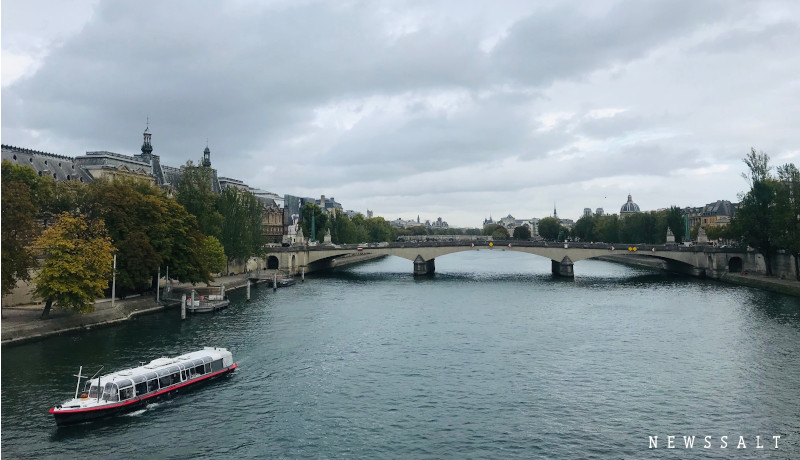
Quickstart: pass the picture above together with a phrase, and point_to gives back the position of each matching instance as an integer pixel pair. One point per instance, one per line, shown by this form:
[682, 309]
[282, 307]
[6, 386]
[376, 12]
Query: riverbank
[22, 324]
[767, 283]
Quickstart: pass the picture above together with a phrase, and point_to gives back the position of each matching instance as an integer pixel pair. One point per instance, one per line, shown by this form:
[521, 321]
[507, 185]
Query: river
[489, 358]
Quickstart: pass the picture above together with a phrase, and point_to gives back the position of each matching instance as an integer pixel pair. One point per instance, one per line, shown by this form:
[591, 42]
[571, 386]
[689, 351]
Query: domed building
[628, 208]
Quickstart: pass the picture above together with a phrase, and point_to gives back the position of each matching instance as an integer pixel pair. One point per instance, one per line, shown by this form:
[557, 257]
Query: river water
[489, 358]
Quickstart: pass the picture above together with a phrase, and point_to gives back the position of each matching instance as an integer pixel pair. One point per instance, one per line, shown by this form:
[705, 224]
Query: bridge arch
[273, 263]
[735, 265]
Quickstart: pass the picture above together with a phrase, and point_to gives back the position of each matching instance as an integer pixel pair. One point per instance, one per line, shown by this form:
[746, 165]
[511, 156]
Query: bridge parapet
[695, 260]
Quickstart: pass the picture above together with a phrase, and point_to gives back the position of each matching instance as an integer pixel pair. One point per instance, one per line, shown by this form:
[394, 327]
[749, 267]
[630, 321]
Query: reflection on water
[489, 357]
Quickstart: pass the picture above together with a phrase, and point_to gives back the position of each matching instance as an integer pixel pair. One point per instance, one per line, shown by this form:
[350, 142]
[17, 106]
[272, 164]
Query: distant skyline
[450, 109]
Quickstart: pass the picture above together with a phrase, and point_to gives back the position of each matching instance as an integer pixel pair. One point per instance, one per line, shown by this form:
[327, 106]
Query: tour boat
[132, 389]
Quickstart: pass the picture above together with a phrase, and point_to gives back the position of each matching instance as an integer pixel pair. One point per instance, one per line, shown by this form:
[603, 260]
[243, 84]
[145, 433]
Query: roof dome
[629, 207]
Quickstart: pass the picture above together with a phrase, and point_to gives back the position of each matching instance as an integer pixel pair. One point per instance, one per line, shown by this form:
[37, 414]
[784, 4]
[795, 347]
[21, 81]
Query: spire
[207, 156]
[147, 148]
[555, 214]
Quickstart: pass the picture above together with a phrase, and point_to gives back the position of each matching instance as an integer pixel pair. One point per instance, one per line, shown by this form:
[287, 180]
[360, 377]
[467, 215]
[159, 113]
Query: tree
[312, 211]
[242, 217]
[196, 194]
[488, 230]
[549, 228]
[23, 194]
[500, 233]
[753, 222]
[18, 231]
[379, 230]
[77, 263]
[584, 229]
[675, 223]
[150, 230]
[787, 213]
[134, 218]
[214, 255]
[522, 233]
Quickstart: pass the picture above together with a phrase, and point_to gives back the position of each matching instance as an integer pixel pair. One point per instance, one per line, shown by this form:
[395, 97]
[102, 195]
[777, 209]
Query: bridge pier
[424, 267]
[563, 268]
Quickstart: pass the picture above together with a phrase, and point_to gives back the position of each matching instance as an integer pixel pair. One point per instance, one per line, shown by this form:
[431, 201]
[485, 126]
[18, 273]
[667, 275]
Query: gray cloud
[412, 106]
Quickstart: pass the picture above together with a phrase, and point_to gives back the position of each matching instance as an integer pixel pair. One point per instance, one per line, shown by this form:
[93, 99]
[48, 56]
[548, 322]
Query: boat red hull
[72, 417]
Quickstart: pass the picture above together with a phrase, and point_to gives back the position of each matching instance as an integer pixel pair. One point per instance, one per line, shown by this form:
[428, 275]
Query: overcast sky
[459, 110]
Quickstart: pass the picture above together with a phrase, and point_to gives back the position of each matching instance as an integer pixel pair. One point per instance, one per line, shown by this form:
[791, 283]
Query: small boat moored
[131, 389]
[285, 280]
[207, 304]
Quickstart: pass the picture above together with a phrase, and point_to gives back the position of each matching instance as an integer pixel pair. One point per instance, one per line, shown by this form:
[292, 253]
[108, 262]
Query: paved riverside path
[23, 323]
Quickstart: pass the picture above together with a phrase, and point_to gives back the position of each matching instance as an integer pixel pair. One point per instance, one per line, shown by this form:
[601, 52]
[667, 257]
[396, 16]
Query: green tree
[24, 195]
[584, 229]
[196, 195]
[500, 233]
[378, 230]
[242, 217]
[674, 219]
[787, 212]
[344, 230]
[320, 217]
[214, 255]
[606, 228]
[488, 230]
[18, 232]
[522, 233]
[77, 263]
[716, 232]
[753, 223]
[133, 221]
[549, 228]
[150, 230]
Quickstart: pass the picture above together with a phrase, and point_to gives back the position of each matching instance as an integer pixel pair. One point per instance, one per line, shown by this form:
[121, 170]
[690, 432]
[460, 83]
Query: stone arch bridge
[699, 261]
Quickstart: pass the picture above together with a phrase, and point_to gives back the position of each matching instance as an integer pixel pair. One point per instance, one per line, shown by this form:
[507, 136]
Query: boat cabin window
[91, 390]
[125, 393]
[110, 392]
[141, 388]
[199, 370]
[152, 385]
[216, 365]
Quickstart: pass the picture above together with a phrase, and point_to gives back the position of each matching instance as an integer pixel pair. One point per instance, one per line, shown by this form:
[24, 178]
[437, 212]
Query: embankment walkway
[23, 323]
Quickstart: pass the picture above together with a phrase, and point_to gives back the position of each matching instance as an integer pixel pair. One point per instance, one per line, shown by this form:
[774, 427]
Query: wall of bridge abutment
[424, 267]
[564, 269]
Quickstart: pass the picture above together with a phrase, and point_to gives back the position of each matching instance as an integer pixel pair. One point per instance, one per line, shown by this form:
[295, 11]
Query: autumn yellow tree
[77, 263]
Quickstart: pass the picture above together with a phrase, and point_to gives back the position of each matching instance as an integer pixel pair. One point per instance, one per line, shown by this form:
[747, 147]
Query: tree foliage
[150, 230]
[242, 217]
[500, 233]
[309, 212]
[550, 228]
[753, 223]
[214, 254]
[196, 195]
[674, 219]
[522, 232]
[24, 195]
[18, 232]
[77, 263]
